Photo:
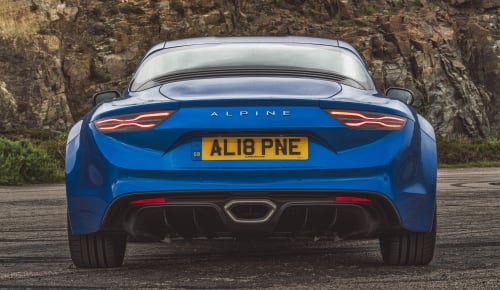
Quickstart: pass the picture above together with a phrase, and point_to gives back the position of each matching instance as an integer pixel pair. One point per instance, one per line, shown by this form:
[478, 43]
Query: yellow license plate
[254, 148]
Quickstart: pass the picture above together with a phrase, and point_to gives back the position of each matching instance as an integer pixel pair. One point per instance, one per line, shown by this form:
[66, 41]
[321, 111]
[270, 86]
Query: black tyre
[97, 250]
[406, 248]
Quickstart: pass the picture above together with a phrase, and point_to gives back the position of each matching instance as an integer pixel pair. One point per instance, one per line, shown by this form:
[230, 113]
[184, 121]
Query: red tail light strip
[131, 121]
[369, 120]
[148, 201]
[131, 124]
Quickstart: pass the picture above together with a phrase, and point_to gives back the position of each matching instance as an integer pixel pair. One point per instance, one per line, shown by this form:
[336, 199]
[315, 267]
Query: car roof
[254, 39]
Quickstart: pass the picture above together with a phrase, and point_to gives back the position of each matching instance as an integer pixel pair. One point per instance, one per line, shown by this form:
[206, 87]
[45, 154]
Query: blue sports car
[251, 138]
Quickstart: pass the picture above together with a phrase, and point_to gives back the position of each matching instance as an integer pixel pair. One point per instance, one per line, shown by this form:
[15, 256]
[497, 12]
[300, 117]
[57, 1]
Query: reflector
[148, 201]
[352, 199]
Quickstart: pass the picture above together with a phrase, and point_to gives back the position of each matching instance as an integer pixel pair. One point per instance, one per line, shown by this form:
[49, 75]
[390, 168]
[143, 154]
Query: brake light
[352, 199]
[132, 122]
[368, 120]
[148, 201]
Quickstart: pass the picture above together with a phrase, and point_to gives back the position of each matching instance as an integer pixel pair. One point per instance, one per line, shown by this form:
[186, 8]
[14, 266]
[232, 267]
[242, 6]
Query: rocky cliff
[54, 54]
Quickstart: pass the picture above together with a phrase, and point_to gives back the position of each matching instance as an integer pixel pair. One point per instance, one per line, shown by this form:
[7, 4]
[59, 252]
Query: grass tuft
[464, 152]
[38, 158]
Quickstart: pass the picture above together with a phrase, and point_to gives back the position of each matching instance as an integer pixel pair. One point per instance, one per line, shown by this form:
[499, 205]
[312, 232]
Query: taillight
[148, 201]
[368, 120]
[131, 122]
[352, 199]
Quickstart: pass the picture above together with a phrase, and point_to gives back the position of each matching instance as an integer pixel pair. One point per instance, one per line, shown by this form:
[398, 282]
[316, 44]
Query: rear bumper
[216, 214]
[412, 205]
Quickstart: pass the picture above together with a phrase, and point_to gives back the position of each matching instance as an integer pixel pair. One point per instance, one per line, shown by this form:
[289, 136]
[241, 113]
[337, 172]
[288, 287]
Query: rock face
[55, 54]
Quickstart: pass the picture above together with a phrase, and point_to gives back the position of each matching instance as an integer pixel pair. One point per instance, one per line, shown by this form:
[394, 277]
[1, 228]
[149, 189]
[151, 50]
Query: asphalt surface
[34, 251]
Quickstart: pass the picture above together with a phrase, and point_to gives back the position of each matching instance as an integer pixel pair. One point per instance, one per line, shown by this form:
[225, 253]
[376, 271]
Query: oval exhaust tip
[250, 211]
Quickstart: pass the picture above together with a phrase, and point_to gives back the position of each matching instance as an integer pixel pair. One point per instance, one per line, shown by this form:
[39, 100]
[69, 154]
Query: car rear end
[254, 154]
[289, 158]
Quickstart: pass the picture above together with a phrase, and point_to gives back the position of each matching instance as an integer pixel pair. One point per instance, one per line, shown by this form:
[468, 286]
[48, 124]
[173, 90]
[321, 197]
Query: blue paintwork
[400, 165]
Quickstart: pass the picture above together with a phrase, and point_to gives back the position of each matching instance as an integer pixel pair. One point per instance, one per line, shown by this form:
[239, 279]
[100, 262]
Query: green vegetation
[394, 9]
[370, 10]
[463, 152]
[32, 157]
[435, 5]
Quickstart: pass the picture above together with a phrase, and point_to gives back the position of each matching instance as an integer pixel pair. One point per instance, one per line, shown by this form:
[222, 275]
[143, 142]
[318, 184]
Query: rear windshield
[256, 55]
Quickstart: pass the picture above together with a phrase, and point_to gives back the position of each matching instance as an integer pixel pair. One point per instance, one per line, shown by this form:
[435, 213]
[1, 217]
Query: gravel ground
[34, 251]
